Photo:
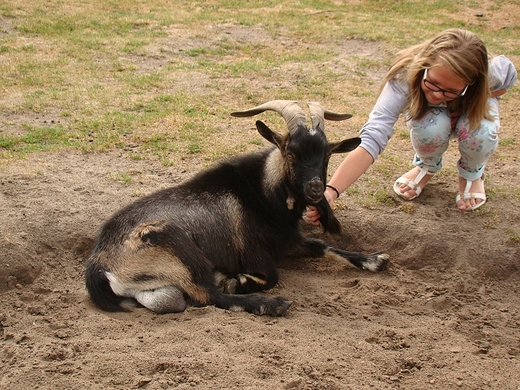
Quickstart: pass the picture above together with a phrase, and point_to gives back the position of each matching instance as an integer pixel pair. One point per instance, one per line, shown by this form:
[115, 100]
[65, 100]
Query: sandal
[471, 195]
[413, 184]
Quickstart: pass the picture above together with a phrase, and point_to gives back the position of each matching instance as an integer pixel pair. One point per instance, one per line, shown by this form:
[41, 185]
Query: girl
[445, 87]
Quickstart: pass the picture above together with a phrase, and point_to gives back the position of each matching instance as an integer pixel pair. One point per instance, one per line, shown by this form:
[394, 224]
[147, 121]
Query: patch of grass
[137, 73]
[123, 178]
[507, 142]
[36, 139]
[491, 220]
[409, 207]
[403, 134]
[513, 236]
[377, 199]
[194, 148]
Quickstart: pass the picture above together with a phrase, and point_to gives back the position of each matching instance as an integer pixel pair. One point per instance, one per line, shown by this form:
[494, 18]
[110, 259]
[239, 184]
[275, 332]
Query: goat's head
[305, 151]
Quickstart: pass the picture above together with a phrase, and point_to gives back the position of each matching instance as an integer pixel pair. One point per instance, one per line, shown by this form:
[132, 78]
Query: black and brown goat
[216, 239]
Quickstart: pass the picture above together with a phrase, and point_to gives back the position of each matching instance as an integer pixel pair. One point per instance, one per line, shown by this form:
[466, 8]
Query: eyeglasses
[449, 94]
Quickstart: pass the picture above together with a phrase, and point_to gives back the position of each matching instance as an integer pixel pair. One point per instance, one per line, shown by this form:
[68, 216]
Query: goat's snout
[314, 190]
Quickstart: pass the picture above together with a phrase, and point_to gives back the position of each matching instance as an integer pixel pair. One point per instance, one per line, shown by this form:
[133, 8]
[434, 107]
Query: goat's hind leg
[159, 299]
[153, 271]
[317, 248]
[189, 272]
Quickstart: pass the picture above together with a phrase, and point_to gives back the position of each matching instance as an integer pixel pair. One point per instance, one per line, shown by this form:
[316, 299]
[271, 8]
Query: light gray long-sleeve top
[379, 128]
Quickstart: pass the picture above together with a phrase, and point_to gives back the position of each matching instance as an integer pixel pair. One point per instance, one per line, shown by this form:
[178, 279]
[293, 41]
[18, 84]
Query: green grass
[164, 75]
[514, 237]
[123, 178]
[506, 142]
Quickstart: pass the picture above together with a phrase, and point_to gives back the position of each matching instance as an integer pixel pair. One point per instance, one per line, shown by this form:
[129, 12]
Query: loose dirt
[445, 315]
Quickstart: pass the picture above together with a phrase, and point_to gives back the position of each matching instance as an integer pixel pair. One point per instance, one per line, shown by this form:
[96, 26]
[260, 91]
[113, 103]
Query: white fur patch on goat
[119, 288]
[168, 299]
[273, 171]
[290, 202]
[242, 278]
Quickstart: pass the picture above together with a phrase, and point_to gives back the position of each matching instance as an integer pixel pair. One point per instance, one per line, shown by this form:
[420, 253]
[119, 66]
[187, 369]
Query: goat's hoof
[228, 285]
[384, 259]
[276, 307]
[377, 262]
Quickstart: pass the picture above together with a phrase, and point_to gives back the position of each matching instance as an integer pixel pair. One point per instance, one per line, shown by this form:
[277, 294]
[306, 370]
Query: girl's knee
[482, 141]
[434, 125]
[485, 138]
[430, 135]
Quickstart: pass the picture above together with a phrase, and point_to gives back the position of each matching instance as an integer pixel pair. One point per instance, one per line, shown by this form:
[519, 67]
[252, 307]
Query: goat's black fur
[237, 218]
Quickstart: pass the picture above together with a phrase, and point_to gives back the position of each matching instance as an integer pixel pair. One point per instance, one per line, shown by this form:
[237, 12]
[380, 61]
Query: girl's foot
[410, 185]
[472, 194]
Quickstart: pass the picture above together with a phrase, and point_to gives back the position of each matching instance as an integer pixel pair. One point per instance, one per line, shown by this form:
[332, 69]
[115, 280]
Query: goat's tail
[251, 303]
[99, 289]
[327, 219]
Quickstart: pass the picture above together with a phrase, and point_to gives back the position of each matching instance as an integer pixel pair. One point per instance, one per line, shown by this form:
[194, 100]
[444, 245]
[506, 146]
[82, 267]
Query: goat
[216, 238]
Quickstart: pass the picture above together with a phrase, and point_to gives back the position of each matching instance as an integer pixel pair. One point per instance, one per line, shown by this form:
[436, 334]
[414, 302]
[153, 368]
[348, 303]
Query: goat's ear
[269, 135]
[347, 145]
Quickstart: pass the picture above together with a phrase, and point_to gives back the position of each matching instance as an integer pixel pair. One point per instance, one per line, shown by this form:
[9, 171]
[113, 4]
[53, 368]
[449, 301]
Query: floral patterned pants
[431, 135]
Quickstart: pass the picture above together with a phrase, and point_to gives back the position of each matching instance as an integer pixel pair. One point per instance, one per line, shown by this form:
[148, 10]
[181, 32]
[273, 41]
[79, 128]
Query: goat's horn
[288, 109]
[319, 114]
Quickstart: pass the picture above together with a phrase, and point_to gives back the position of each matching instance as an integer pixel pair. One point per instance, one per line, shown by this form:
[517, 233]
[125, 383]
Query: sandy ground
[444, 315]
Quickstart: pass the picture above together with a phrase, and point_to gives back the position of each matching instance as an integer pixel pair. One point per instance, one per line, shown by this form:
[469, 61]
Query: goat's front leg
[311, 247]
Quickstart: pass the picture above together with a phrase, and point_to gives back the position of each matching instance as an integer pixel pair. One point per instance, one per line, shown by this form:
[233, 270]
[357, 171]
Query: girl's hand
[311, 214]
[498, 93]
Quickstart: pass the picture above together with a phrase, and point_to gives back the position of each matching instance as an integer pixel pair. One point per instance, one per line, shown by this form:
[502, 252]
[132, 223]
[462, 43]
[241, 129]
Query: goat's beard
[327, 219]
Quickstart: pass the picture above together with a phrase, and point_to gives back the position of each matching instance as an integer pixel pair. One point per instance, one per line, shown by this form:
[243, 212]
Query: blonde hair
[462, 53]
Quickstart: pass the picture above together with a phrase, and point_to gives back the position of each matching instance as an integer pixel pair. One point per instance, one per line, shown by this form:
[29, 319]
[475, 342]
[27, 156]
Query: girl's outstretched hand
[312, 216]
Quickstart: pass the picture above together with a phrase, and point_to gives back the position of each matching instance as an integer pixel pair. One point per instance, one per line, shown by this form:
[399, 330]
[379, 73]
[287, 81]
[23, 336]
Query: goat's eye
[290, 156]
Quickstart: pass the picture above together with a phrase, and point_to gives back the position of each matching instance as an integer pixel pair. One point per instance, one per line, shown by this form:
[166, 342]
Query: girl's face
[440, 85]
